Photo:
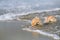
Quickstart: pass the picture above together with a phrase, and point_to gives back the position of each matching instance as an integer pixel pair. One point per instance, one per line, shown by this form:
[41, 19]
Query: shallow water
[12, 29]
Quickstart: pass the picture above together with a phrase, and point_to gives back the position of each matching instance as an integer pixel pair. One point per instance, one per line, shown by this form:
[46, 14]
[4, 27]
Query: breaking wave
[11, 16]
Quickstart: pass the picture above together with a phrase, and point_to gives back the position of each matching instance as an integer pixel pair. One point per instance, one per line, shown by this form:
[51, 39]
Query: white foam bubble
[43, 33]
[9, 16]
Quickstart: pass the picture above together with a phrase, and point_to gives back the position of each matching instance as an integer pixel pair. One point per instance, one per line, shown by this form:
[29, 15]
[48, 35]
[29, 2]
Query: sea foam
[11, 16]
[43, 33]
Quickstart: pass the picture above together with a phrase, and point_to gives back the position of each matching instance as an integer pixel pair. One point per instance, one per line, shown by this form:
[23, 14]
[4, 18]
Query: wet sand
[13, 31]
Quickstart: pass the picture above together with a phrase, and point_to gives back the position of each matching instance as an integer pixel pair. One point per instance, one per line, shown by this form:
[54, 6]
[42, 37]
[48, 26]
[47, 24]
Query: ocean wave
[43, 33]
[11, 16]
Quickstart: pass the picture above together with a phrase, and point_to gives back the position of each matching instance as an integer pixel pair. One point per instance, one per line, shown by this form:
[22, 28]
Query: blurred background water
[21, 6]
[26, 10]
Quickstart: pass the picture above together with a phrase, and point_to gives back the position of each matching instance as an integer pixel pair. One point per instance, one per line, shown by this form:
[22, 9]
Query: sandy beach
[13, 31]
